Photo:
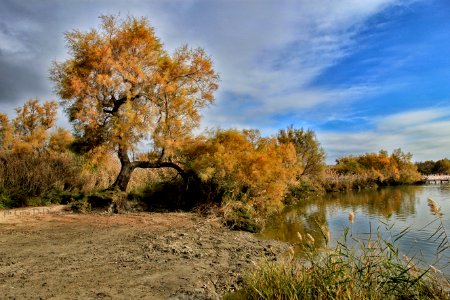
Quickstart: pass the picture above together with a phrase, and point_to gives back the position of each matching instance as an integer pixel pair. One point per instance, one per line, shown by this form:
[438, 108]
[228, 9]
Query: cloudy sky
[364, 75]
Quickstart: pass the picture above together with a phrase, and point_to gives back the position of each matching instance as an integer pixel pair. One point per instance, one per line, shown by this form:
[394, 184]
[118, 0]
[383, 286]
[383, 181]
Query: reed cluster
[374, 269]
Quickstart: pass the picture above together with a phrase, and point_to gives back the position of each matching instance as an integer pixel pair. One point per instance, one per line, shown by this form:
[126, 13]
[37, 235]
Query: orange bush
[244, 167]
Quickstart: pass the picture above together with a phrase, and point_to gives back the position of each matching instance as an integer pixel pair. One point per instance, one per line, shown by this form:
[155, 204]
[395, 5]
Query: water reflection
[400, 207]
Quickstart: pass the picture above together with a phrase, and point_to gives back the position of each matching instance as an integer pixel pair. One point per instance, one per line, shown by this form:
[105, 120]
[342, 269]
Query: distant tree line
[372, 170]
[428, 167]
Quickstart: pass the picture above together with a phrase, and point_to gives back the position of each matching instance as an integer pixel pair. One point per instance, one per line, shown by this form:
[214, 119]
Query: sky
[364, 75]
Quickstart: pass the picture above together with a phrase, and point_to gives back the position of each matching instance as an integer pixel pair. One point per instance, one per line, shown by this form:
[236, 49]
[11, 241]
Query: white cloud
[269, 52]
[10, 45]
[424, 133]
[413, 118]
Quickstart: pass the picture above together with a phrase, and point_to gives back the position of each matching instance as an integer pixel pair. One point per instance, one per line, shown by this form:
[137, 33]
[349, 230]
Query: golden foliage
[379, 168]
[120, 86]
[6, 132]
[60, 140]
[33, 161]
[245, 166]
[28, 131]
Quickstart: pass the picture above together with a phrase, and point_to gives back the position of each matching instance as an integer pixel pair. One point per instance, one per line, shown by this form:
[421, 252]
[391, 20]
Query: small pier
[436, 179]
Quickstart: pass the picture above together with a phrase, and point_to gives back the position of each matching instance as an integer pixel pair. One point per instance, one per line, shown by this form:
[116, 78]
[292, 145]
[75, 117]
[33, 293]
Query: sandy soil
[49, 253]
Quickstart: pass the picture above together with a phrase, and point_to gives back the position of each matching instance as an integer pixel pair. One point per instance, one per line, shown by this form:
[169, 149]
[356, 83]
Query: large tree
[120, 88]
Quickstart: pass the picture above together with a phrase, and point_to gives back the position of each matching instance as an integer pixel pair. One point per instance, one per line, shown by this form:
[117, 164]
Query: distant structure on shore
[436, 178]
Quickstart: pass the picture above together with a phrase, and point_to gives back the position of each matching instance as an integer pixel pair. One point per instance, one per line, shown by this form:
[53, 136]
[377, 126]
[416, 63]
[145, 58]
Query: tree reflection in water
[311, 216]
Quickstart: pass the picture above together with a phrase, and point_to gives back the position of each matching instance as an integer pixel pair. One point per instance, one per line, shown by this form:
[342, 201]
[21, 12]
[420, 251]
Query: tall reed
[373, 270]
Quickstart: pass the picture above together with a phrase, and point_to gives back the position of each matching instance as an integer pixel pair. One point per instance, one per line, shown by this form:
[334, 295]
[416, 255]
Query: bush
[36, 178]
[238, 216]
[35, 164]
[81, 205]
[304, 188]
[110, 201]
[241, 166]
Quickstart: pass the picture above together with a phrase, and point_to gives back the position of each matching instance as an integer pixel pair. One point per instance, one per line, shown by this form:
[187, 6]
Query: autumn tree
[380, 168]
[407, 170]
[6, 132]
[32, 125]
[120, 88]
[30, 130]
[310, 155]
[34, 156]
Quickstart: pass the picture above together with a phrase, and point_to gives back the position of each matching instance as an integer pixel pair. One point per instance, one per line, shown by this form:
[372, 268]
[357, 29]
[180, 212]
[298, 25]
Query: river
[375, 211]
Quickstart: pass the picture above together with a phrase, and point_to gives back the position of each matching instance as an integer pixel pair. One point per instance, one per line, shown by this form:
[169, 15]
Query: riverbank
[51, 253]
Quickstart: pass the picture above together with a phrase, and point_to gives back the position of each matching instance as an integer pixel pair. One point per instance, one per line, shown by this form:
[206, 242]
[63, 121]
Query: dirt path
[47, 253]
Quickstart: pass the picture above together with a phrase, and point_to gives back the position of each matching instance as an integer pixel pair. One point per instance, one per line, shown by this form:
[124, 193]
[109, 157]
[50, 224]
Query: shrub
[38, 175]
[81, 205]
[241, 166]
[34, 160]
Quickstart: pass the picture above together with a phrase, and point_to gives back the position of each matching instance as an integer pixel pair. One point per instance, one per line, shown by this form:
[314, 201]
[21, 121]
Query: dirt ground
[49, 253]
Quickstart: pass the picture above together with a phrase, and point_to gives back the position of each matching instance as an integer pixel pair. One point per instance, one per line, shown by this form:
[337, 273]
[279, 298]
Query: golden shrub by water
[245, 167]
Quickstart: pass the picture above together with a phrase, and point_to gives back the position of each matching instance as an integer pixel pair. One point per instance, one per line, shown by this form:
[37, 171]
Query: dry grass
[26, 178]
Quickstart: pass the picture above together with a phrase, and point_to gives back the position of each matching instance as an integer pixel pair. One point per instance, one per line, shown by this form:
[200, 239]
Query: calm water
[400, 207]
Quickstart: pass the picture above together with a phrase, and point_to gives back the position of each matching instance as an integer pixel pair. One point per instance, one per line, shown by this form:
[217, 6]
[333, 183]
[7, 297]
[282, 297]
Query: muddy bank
[57, 255]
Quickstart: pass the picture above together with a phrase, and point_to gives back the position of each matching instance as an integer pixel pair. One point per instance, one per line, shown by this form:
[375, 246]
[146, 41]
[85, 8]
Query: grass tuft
[372, 270]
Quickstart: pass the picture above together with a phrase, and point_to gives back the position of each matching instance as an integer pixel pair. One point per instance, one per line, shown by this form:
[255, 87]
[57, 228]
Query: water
[395, 207]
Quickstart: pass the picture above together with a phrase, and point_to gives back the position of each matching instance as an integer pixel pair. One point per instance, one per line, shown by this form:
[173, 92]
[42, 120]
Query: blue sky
[365, 75]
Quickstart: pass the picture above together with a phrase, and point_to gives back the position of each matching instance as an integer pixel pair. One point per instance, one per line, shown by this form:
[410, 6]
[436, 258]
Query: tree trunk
[124, 177]
[127, 168]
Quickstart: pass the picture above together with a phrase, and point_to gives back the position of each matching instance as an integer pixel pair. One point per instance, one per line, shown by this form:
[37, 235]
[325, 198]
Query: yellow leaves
[188, 73]
[21, 147]
[33, 120]
[60, 140]
[170, 88]
[380, 167]
[105, 80]
[28, 131]
[100, 156]
[124, 60]
[395, 173]
[310, 156]
[33, 116]
[130, 125]
[125, 48]
[208, 96]
[245, 165]
[207, 174]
